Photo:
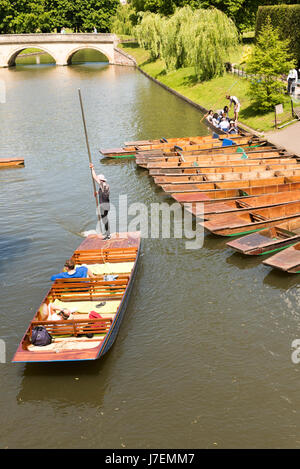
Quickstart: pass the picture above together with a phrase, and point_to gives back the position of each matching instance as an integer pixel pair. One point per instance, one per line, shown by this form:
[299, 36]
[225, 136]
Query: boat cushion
[63, 345]
[227, 142]
[110, 307]
[110, 268]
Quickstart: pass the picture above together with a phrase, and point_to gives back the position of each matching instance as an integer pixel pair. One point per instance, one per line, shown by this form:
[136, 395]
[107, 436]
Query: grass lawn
[211, 94]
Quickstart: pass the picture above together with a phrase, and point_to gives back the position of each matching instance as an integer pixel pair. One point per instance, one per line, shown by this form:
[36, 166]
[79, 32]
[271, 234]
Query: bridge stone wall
[121, 58]
[61, 46]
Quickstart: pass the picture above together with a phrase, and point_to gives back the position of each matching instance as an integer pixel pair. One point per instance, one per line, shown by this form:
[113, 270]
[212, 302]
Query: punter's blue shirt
[80, 272]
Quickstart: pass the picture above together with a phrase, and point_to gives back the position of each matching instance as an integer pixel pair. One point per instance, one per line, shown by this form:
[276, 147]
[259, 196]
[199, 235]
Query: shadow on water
[41, 68]
[47, 382]
[277, 279]
[11, 248]
[114, 161]
[214, 243]
[243, 262]
[93, 67]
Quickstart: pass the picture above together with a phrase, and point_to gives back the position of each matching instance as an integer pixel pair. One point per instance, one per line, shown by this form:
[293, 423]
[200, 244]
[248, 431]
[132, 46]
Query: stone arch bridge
[62, 47]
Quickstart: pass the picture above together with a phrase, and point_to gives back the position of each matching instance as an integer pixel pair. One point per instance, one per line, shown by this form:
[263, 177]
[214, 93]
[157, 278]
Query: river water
[203, 357]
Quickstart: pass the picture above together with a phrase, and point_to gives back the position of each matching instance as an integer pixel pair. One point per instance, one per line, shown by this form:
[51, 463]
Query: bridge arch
[85, 47]
[11, 60]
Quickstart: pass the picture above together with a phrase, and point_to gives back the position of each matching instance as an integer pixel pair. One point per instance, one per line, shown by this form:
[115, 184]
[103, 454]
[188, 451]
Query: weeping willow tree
[124, 20]
[190, 38]
[149, 34]
[213, 36]
[173, 41]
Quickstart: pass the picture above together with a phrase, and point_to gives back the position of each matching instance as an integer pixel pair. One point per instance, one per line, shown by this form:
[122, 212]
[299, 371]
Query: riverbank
[210, 94]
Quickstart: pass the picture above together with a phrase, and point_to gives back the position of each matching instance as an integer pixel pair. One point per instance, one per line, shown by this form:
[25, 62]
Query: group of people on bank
[220, 119]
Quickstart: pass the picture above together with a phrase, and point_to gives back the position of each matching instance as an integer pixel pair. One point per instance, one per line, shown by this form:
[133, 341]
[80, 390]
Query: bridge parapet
[53, 37]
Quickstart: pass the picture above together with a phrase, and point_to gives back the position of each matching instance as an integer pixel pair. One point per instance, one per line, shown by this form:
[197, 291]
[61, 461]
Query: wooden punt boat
[214, 177]
[220, 160]
[223, 185]
[210, 196]
[176, 140]
[234, 224]
[236, 147]
[287, 260]
[269, 240]
[117, 256]
[227, 168]
[239, 206]
[131, 151]
[11, 162]
[170, 141]
[143, 159]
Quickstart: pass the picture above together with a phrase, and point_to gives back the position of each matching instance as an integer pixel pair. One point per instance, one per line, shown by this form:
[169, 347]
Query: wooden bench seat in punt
[89, 289]
[74, 327]
[105, 256]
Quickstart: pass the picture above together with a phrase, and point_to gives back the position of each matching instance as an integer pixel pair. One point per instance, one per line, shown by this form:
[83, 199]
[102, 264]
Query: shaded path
[289, 138]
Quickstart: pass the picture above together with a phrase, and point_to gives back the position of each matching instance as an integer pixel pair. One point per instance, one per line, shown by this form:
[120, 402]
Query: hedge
[286, 18]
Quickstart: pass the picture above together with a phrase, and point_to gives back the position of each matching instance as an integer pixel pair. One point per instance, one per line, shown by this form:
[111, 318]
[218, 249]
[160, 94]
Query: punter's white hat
[101, 177]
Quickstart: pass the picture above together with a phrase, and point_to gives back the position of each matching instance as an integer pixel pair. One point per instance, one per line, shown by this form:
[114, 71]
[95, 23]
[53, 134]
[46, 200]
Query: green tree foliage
[198, 38]
[124, 20]
[242, 12]
[149, 33]
[269, 60]
[6, 15]
[28, 16]
[286, 18]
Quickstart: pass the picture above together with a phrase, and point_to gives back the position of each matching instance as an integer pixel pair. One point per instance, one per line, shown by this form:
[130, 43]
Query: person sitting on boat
[232, 129]
[54, 313]
[209, 116]
[226, 111]
[224, 124]
[103, 193]
[215, 120]
[73, 272]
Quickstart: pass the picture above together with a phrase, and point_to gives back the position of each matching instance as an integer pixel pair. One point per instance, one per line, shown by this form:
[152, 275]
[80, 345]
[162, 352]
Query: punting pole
[89, 155]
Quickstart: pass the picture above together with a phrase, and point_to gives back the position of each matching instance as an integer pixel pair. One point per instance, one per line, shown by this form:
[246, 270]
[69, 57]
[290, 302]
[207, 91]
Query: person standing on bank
[292, 80]
[236, 104]
[103, 199]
